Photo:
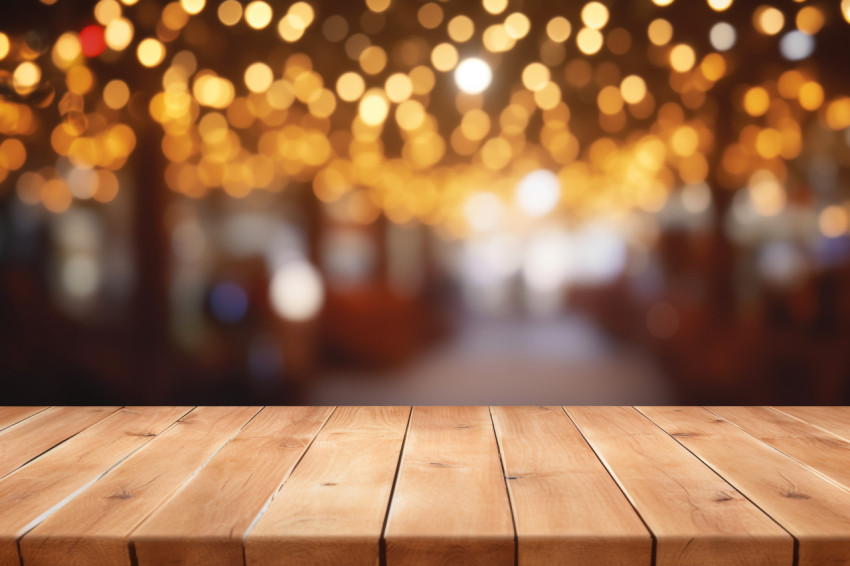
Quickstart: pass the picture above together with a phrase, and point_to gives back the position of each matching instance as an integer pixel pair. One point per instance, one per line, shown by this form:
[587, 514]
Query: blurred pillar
[150, 308]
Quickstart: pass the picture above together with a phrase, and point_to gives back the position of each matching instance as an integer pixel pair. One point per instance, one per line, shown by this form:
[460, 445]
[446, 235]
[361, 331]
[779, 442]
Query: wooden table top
[425, 485]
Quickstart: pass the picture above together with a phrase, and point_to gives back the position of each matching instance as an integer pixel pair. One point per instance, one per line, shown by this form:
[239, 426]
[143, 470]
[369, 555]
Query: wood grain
[814, 510]
[566, 506]
[205, 521]
[331, 510]
[696, 517]
[31, 493]
[32, 437]
[94, 528]
[823, 452]
[450, 504]
[14, 415]
[831, 419]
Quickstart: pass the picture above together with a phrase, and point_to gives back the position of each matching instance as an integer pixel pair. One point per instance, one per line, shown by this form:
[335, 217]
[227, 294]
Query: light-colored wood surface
[32, 437]
[94, 528]
[30, 494]
[831, 419]
[205, 521]
[814, 510]
[331, 510]
[824, 452]
[565, 504]
[450, 504]
[14, 415]
[697, 517]
[396, 486]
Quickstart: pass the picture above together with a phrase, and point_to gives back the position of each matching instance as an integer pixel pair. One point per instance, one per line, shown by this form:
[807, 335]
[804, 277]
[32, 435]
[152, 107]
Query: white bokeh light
[796, 45]
[538, 192]
[473, 75]
[722, 36]
[296, 291]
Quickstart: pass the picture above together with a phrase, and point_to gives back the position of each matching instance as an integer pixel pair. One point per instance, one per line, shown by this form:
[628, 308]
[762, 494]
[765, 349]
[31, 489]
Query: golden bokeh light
[535, 76]
[373, 59]
[810, 20]
[116, 94]
[838, 113]
[495, 6]
[26, 77]
[633, 89]
[119, 34]
[461, 28]
[150, 52]
[768, 20]
[430, 15]
[213, 91]
[5, 45]
[609, 100]
[660, 32]
[756, 101]
[258, 77]
[423, 79]
[497, 40]
[230, 12]
[13, 154]
[374, 107]
[79, 79]
[559, 29]
[517, 25]
[258, 14]
[410, 114]
[106, 10]
[682, 58]
[833, 221]
[811, 95]
[719, 5]
[193, 6]
[399, 87]
[378, 6]
[67, 50]
[350, 86]
[589, 40]
[594, 15]
[611, 131]
[444, 57]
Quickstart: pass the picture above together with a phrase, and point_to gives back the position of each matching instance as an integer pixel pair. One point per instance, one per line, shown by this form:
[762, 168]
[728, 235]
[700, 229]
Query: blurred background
[407, 201]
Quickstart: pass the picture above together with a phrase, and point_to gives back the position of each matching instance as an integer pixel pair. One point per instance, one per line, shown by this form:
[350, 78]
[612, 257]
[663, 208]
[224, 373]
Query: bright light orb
[722, 36]
[538, 192]
[796, 45]
[473, 75]
[297, 293]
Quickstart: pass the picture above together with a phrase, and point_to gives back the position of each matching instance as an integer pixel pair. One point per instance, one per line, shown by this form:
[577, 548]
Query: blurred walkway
[558, 362]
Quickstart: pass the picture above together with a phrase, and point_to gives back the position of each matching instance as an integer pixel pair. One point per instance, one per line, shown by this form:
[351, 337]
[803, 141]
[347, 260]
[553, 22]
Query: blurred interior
[401, 201]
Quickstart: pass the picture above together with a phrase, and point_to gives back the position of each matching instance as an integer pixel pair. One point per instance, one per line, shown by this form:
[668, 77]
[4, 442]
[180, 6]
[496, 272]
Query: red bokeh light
[91, 39]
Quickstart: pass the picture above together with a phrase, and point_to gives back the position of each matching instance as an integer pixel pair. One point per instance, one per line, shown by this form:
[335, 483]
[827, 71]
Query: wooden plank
[331, 509]
[831, 419]
[94, 528]
[450, 504]
[823, 452]
[697, 517]
[814, 510]
[14, 415]
[566, 507]
[28, 495]
[32, 437]
[205, 521]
